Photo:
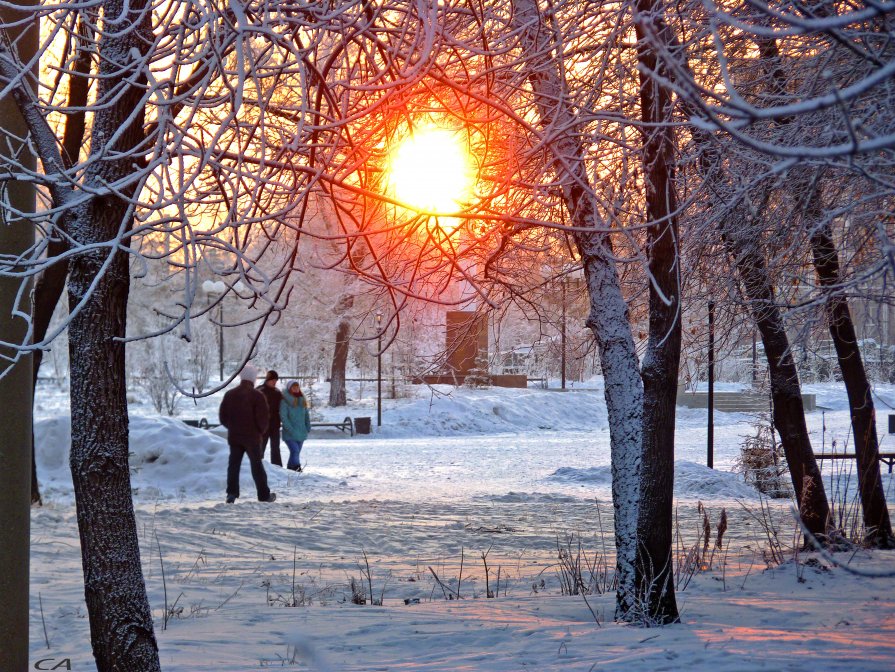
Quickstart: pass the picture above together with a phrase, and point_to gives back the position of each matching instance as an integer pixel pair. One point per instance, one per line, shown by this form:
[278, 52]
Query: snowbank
[168, 460]
[231, 571]
[691, 480]
[446, 411]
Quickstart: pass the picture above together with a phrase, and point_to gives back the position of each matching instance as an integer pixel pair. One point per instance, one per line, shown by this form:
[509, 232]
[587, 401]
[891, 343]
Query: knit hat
[272, 375]
[290, 384]
[248, 372]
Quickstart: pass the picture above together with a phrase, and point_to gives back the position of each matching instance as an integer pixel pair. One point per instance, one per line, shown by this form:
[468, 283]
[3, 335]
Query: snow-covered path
[231, 572]
[440, 486]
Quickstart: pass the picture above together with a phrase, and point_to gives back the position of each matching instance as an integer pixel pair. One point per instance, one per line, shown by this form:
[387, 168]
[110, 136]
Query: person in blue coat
[296, 422]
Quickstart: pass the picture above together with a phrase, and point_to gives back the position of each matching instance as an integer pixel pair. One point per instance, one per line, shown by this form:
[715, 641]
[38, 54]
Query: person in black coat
[244, 413]
[272, 434]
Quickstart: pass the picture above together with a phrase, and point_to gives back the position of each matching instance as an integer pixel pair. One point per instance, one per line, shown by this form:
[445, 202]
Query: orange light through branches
[431, 171]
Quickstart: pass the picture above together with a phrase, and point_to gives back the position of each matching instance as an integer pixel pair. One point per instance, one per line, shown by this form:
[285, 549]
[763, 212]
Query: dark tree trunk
[36, 499]
[863, 414]
[16, 238]
[743, 244]
[786, 393]
[120, 620]
[661, 362]
[337, 396]
[51, 284]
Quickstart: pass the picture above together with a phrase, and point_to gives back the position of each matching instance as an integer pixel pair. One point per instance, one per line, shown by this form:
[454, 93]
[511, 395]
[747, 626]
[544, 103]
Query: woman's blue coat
[295, 417]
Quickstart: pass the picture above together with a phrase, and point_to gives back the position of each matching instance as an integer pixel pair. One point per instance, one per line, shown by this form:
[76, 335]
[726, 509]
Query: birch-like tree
[522, 88]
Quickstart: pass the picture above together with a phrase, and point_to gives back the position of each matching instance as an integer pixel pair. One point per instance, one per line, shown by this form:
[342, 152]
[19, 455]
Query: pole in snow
[710, 461]
[754, 360]
[379, 370]
[563, 334]
[221, 339]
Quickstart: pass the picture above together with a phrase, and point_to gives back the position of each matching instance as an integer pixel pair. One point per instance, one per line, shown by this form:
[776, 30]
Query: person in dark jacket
[244, 413]
[296, 422]
[272, 434]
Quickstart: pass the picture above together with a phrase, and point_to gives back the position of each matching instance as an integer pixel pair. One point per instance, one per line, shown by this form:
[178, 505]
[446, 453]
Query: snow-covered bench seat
[885, 458]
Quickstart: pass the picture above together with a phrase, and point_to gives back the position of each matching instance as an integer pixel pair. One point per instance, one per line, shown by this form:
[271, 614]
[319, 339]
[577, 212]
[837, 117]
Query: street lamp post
[378, 369]
[754, 360]
[710, 459]
[221, 340]
[563, 335]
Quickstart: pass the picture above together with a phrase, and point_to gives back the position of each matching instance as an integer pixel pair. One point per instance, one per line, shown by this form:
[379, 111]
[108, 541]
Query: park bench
[885, 458]
[201, 423]
[346, 425]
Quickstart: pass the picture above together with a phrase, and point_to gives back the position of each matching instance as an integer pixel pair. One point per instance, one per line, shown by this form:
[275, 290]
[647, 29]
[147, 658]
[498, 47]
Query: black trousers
[273, 436]
[237, 450]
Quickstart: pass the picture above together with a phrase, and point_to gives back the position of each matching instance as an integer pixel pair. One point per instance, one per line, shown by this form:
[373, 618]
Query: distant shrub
[762, 463]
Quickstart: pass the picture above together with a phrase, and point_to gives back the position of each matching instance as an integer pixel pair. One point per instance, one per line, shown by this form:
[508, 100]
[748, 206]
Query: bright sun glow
[431, 171]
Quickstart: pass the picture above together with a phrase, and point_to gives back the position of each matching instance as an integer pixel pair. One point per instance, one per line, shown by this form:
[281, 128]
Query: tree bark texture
[877, 525]
[661, 362]
[120, 620]
[786, 394]
[608, 318]
[16, 237]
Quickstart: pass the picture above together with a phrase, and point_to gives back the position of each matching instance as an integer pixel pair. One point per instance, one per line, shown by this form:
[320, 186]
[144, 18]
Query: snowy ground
[510, 473]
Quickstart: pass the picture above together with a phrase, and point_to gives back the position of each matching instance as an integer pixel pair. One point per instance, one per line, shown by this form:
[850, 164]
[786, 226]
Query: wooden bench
[201, 423]
[885, 458]
[346, 425]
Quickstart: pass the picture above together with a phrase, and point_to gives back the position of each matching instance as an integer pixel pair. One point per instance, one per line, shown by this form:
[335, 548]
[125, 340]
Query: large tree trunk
[786, 393]
[608, 318]
[623, 392]
[662, 358]
[337, 396]
[16, 237]
[120, 620]
[860, 400]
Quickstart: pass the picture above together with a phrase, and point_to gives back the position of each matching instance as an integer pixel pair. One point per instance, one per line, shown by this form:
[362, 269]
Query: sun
[431, 171]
